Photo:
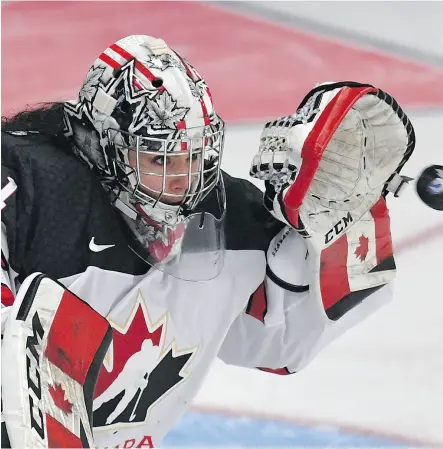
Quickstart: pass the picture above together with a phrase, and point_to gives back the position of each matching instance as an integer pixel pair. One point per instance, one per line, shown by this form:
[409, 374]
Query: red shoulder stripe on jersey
[258, 304]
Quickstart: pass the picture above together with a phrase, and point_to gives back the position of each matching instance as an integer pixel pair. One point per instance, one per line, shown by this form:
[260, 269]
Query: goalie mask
[144, 120]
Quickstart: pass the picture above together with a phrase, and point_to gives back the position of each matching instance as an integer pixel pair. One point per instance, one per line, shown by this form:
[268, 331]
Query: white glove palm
[327, 170]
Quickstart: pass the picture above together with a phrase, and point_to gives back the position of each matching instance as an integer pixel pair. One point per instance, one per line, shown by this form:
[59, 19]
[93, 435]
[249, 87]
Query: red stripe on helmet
[139, 66]
[108, 60]
[191, 75]
[115, 65]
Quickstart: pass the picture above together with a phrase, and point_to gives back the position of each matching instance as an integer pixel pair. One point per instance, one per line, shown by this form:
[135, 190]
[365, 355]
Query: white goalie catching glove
[52, 349]
[327, 170]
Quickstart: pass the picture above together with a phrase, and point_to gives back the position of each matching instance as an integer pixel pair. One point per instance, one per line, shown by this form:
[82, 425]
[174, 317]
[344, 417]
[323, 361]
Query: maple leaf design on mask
[164, 112]
[91, 83]
[363, 248]
[198, 88]
[58, 396]
[163, 62]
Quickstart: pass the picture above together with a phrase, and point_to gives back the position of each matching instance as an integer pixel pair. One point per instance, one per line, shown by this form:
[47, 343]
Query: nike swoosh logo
[97, 248]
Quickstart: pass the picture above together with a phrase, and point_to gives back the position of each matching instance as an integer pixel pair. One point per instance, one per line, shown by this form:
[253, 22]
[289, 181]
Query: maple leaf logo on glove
[58, 396]
[362, 250]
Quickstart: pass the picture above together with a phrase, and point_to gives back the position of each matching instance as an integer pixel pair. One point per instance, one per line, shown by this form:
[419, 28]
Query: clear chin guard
[191, 247]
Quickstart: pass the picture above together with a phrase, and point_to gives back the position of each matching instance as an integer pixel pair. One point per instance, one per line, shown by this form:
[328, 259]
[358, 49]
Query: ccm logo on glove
[338, 228]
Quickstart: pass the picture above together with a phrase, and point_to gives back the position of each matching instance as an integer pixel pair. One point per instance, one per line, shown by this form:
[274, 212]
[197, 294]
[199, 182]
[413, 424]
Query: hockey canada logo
[138, 371]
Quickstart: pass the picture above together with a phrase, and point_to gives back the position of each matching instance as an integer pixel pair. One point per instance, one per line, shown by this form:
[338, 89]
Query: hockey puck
[430, 186]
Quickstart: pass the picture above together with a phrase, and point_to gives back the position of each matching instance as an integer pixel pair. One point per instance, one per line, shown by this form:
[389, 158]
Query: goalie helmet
[144, 119]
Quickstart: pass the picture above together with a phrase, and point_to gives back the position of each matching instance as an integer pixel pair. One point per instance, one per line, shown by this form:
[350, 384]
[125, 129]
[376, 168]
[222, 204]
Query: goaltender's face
[176, 166]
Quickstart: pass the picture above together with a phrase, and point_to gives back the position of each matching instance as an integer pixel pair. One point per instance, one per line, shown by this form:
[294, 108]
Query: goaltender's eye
[160, 160]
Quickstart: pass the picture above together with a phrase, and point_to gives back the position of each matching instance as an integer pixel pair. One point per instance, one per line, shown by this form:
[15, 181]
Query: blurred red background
[255, 69]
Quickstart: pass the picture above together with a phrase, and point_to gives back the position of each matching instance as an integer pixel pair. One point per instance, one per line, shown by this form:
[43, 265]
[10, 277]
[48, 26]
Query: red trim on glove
[316, 143]
[380, 214]
[334, 282]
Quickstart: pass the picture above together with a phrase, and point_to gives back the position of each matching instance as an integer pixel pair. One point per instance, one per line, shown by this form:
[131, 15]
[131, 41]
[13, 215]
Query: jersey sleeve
[284, 325]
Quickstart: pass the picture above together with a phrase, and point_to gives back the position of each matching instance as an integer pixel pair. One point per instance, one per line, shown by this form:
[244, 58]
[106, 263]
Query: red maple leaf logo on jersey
[58, 396]
[362, 250]
[124, 346]
[138, 370]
